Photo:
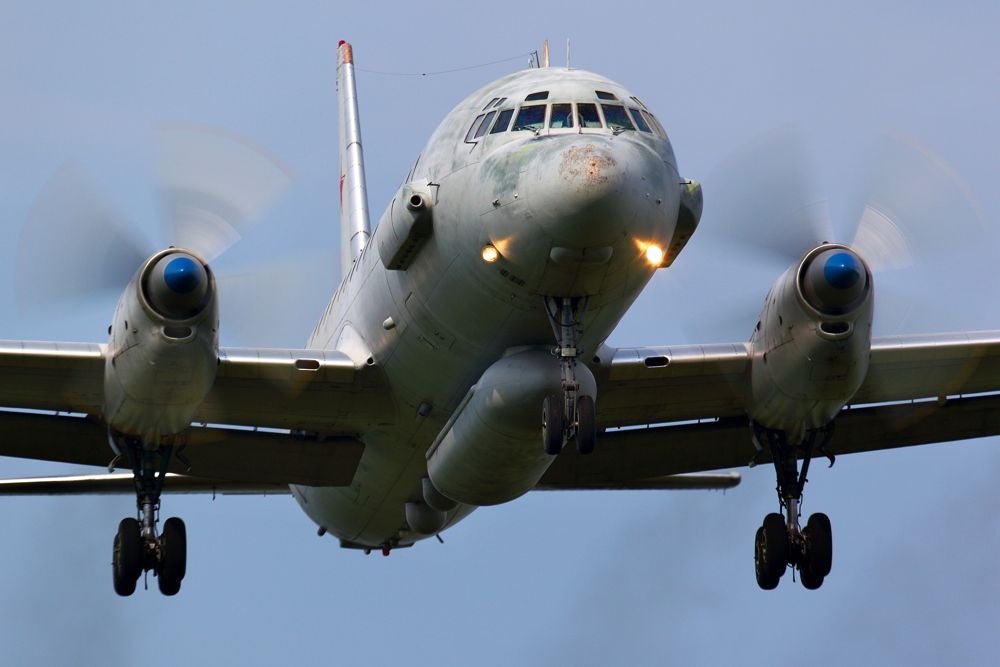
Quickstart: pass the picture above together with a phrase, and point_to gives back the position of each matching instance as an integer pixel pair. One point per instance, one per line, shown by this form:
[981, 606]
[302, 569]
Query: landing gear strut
[137, 547]
[571, 415]
[780, 542]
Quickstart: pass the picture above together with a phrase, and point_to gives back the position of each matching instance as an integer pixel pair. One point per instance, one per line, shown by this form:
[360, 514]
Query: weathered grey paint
[588, 194]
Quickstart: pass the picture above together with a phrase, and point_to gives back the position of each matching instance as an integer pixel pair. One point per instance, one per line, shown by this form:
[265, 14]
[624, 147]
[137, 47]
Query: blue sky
[553, 578]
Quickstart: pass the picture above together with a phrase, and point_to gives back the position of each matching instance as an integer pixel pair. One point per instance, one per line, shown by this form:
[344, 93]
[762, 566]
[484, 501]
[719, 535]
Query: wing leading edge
[318, 398]
[675, 410]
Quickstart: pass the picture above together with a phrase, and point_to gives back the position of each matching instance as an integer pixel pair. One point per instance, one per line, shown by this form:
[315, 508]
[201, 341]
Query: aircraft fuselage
[565, 199]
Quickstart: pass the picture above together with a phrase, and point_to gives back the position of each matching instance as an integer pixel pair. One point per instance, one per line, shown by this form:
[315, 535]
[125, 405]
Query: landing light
[489, 253]
[654, 255]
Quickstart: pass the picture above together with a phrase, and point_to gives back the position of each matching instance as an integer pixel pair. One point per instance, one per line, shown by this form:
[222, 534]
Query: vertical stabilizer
[354, 227]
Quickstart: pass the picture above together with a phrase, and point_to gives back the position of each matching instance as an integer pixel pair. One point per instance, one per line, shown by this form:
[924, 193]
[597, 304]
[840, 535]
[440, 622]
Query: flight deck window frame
[473, 128]
[497, 129]
[545, 118]
[572, 118]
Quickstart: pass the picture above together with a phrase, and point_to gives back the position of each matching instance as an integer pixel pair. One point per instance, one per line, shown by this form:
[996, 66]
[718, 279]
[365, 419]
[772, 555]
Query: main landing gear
[779, 541]
[137, 547]
[572, 414]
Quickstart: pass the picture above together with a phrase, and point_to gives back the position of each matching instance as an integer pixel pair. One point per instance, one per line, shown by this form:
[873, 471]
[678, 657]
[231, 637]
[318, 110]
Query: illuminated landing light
[654, 255]
[489, 253]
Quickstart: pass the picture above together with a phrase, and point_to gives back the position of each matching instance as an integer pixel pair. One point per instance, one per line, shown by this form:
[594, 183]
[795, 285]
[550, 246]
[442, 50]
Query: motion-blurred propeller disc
[213, 187]
[74, 243]
[913, 221]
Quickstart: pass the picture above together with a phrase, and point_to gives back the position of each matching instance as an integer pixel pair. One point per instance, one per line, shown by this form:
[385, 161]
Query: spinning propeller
[211, 186]
[912, 221]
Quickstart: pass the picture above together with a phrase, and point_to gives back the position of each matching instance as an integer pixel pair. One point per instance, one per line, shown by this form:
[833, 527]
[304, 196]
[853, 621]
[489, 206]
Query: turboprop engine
[163, 347]
[810, 349]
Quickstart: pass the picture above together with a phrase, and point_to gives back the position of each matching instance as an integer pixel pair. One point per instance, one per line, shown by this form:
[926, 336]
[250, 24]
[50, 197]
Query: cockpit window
[605, 95]
[531, 117]
[475, 126]
[500, 101]
[490, 103]
[586, 116]
[543, 95]
[655, 124]
[616, 117]
[562, 116]
[485, 125]
[503, 121]
[640, 122]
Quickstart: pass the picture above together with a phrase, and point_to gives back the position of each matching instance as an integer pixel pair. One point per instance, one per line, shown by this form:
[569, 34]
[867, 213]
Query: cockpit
[604, 111]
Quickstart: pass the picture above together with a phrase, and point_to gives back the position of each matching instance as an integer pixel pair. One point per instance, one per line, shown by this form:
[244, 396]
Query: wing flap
[726, 480]
[628, 456]
[123, 484]
[214, 453]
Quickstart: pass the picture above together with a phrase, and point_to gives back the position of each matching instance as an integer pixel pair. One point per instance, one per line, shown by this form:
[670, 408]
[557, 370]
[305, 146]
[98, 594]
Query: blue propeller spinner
[841, 270]
[182, 275]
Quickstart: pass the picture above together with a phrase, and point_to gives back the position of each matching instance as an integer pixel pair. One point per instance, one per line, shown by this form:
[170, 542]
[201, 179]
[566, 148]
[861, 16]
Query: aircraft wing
[320, 397]
[671, 410]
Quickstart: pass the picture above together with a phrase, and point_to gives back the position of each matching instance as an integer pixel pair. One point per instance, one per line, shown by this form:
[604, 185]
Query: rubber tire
[586, 425]
[810, 580]
[819, 538]
[765, 578]
[173, 563]
[775, 548]
[553, 424]
[126, 559]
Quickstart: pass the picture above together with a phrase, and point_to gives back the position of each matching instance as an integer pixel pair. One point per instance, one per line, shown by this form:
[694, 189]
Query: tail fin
[354, 227]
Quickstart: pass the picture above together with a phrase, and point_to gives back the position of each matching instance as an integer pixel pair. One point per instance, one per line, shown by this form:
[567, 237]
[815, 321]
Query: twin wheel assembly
[780, 542]
[165, 555]
[778, 545]
[137, 547]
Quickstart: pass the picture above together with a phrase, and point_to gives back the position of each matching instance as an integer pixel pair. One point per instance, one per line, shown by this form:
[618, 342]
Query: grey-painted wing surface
[124, 484]
[307, 390]
[657, 385]
[630, 456]
[66, 377]
[216, 453]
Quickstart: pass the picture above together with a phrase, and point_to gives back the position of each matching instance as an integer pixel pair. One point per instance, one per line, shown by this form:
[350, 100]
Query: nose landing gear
[573, 414]
[137, 547]
[780, 542]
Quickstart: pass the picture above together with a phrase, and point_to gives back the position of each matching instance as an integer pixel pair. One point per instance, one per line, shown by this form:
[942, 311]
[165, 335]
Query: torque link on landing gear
[572, 415]
[779, 541]
[137, 547]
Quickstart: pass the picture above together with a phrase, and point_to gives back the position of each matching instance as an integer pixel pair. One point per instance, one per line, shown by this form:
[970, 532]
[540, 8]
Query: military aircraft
[462, 362]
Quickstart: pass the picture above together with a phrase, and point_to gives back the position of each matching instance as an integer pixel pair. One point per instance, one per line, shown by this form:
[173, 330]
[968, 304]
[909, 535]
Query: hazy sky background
[560, 578]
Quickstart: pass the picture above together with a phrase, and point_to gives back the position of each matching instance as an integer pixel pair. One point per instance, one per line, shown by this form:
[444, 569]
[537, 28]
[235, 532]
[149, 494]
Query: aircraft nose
[582, 192]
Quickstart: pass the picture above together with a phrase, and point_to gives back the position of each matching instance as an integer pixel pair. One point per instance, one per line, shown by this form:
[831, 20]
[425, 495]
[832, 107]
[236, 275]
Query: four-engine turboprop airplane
[462, 361]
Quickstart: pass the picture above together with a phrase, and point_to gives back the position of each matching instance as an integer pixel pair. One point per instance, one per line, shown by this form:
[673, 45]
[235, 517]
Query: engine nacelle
[163, 348]
[492, 450]
[810, 350]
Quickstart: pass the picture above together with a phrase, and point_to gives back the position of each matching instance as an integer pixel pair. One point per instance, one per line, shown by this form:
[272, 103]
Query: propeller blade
[923, 235]
[274, 303]
[766, 204]
[214, 186]
[914, 208]
[74, 244]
